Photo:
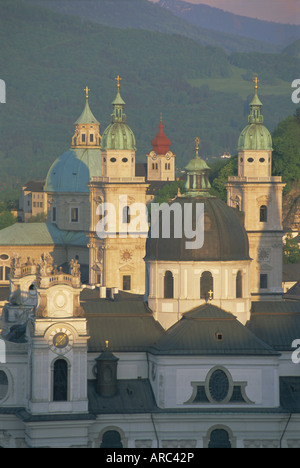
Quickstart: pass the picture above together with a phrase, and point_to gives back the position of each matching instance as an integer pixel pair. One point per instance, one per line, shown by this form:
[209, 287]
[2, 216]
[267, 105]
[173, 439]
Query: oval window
[250, 160]
[125, 160]
[112, 160]
[4, 257]
[218, 385]
[262, 160]
[3, 385]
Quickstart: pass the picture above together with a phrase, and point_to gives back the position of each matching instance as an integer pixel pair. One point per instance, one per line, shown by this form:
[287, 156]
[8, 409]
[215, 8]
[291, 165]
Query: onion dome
[161, 143]
[255, 135]
[118, 135]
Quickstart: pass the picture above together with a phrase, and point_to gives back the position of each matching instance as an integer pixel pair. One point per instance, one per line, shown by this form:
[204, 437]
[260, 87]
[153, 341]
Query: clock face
[60, 340]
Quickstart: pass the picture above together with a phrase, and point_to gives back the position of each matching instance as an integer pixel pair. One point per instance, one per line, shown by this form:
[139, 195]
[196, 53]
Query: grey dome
[225, 237]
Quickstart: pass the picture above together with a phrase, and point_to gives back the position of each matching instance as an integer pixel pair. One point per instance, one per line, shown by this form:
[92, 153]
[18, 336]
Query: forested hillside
[47, 58]
[143, 14]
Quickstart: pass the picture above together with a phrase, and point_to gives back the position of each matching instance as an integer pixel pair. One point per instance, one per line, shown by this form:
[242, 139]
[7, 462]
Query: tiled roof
[209, 330]
[276, 323]
[127, 325]
[40, 234]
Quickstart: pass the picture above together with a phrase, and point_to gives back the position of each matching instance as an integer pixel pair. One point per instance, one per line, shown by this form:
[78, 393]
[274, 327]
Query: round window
[4, 257]
[112, 160]
[250, 160]
[3, 385]
[262, 160]
[125, 160]
[218, 385]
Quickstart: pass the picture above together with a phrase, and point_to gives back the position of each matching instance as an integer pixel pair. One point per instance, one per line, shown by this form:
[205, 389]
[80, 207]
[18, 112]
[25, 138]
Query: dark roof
[196, 334]
[133, 396]
[34, 186]
[225, 237]
[293, 294]
[276, 323]
[127, 325]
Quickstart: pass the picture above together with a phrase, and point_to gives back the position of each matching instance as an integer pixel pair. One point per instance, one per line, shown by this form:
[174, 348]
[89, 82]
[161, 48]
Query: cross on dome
[86, 89]
[118, 79]
[256, 81]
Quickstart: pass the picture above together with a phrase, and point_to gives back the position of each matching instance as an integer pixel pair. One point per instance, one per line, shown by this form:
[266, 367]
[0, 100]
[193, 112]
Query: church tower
[117, 247]
[58, 339]
[259, 195]
[161, 161]
[68, 177]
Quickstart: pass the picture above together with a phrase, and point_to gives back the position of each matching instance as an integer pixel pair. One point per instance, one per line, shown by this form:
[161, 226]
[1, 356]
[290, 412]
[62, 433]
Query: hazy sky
[283, 11]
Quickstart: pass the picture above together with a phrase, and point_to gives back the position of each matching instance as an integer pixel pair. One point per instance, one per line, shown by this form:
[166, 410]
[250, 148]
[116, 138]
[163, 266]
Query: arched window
[60, 380]
[126, 215]
[263, 214]
[168, 285]
[111, 439]
[206, 285]
[239, 284]
[219, 438]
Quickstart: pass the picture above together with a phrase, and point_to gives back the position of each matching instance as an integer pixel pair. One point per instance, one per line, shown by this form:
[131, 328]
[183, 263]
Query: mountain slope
[142, 14]
[222, 21]
[47, 59]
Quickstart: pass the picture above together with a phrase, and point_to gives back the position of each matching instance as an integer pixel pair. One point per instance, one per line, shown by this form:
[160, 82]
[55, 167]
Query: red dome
[161, 143]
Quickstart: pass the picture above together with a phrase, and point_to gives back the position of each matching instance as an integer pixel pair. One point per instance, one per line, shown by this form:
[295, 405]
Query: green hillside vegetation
[293, 49]
[47, 59]
[286, 143]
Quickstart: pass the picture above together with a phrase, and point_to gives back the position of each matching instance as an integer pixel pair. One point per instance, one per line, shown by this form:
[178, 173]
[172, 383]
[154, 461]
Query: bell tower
[161, 161]
[87, 128]
[58, 336]
[259, 195]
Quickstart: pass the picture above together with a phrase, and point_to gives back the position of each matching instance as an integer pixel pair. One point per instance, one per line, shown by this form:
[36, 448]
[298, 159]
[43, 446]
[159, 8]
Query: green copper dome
[197, 176]
[118, 135]
[255, 136]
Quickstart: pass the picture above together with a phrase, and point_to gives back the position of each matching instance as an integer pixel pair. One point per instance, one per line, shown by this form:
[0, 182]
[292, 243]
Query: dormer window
[74, 215]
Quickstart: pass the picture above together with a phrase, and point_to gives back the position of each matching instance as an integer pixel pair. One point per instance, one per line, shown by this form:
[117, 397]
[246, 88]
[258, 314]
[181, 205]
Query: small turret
[107, 363]
[197, 182]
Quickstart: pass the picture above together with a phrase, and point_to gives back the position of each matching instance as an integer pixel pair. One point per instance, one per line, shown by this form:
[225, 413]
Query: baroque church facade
[193, 347]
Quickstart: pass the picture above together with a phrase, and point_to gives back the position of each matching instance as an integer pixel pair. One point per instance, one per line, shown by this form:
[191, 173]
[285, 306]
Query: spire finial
[256, 81]
[118, 79]
[197, 141]
[86, 89]
[161, 117]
